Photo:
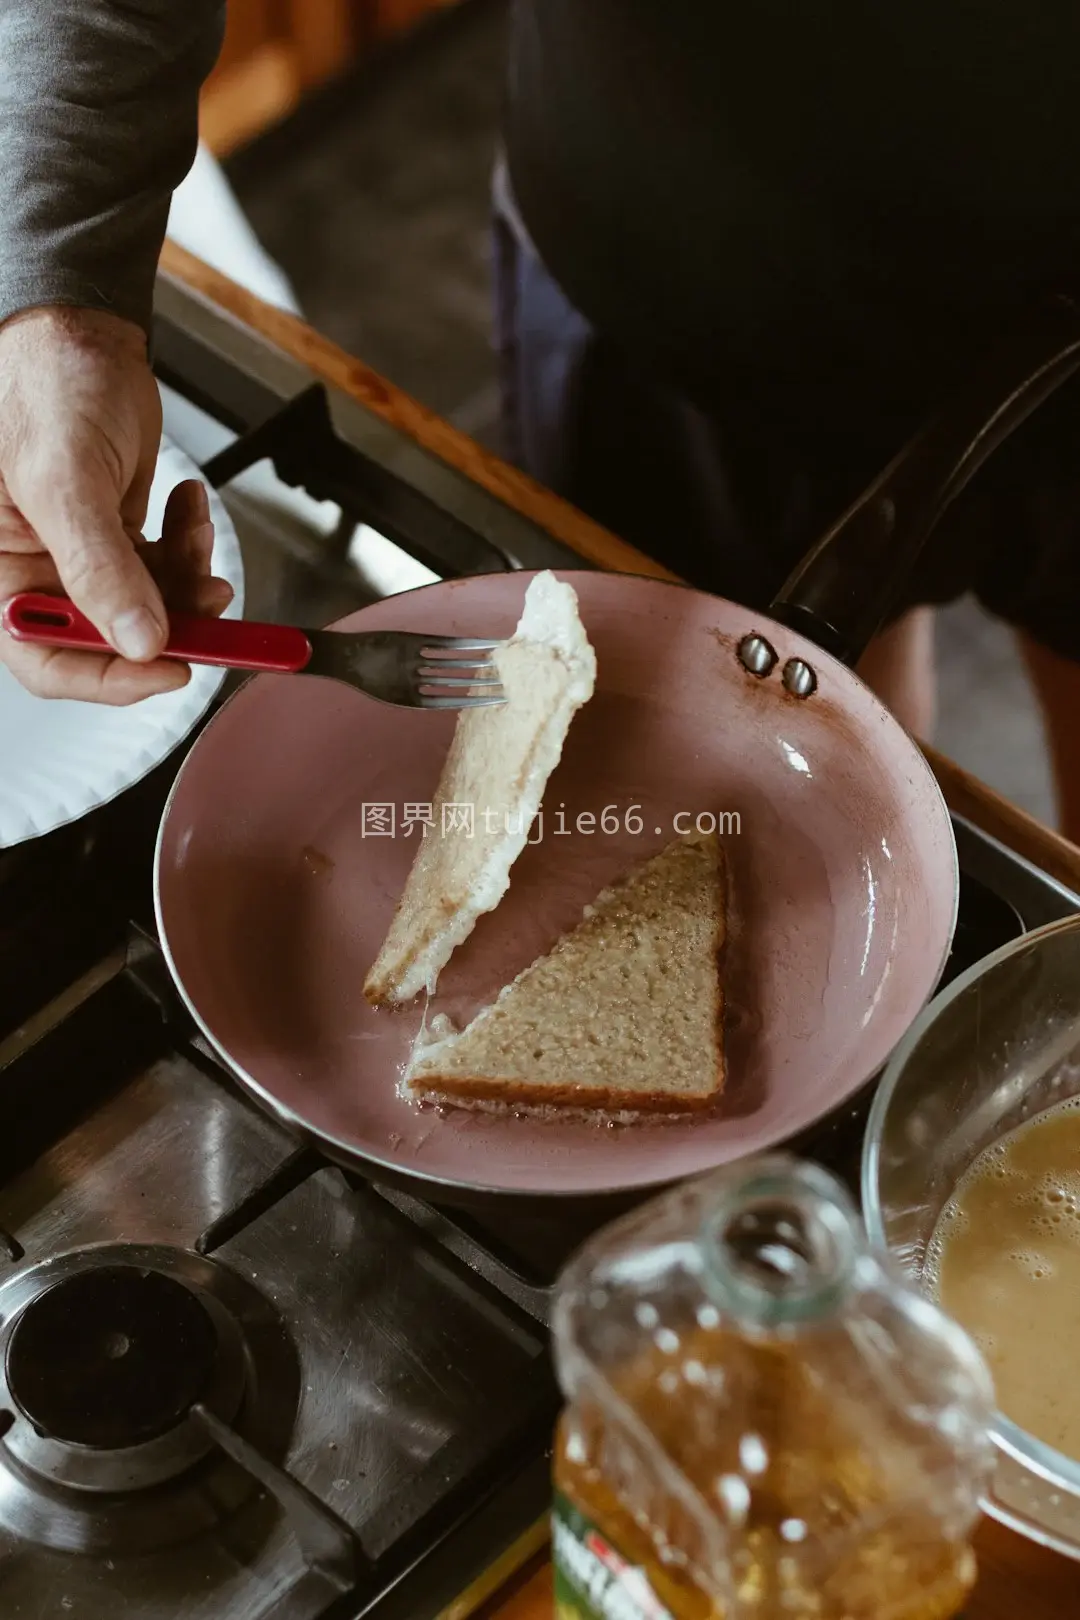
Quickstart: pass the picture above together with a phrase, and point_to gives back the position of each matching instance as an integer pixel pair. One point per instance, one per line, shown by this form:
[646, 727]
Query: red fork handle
[53, 621]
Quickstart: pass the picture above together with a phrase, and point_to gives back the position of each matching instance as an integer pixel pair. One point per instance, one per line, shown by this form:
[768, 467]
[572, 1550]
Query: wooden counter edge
[409, 416]
[1016, 1576]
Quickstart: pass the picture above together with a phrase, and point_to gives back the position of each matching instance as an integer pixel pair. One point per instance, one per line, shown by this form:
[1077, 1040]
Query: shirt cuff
[20, 293]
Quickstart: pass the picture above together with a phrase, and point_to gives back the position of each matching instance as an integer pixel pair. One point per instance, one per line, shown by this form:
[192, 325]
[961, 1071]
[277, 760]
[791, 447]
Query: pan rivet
[798, 678]
[756, 655]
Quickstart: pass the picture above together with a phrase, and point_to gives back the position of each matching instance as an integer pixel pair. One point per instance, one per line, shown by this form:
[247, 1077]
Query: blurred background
[344, 173]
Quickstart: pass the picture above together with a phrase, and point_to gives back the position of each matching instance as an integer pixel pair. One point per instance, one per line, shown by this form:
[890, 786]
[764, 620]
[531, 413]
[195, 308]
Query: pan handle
[844, 588]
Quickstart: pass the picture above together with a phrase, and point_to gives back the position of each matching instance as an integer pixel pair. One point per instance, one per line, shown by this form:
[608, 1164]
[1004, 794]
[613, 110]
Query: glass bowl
[1001, 1044]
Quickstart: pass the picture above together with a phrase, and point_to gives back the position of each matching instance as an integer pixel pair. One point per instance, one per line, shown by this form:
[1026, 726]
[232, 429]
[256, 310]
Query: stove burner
[111, 1358]
[120, 1367]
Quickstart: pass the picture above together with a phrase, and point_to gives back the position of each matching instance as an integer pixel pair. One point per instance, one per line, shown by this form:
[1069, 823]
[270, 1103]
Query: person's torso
[788, 191]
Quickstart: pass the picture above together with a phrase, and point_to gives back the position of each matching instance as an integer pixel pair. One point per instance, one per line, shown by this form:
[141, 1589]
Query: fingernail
[200, 504]
[136, 634]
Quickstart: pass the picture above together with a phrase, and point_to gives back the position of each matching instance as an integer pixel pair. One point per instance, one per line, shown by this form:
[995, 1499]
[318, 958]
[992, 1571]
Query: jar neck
[781, 1246]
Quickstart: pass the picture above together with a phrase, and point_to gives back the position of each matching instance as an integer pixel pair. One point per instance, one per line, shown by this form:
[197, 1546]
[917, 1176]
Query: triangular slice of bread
[489, 792]
[624, 1015]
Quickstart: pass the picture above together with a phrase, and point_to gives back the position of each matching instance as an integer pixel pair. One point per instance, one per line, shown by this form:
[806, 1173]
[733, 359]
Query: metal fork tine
[457, 666]
[439, 644]
[415, 671]
[462, 681]
[458, 702]
[451, 665]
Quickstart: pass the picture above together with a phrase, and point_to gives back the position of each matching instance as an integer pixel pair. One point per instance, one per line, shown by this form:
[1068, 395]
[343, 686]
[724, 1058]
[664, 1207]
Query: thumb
[77, 519]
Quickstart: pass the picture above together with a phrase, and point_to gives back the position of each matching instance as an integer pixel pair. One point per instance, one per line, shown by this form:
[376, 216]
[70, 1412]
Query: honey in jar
[763, 1421]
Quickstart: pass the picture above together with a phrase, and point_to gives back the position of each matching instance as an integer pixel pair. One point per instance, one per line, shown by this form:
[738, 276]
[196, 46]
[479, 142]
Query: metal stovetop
[389, 1444]
[393, 1386]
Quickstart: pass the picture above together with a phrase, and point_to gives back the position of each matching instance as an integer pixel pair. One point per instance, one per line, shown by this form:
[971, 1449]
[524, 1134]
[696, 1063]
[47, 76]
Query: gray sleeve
[98, 126]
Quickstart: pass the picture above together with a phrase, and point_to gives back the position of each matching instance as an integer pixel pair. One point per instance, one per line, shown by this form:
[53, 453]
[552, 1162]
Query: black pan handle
[843, 590]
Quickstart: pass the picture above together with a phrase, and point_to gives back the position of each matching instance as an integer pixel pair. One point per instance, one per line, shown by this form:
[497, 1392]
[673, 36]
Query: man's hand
[80, 422]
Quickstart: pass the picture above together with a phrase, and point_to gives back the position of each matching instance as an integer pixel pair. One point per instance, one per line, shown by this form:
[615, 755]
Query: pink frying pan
[293, 823]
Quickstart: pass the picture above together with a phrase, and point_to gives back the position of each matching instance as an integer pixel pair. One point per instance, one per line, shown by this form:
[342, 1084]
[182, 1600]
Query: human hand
[80, 423]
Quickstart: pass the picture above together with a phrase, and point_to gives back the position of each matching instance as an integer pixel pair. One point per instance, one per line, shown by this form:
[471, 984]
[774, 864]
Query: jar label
[592, 1580]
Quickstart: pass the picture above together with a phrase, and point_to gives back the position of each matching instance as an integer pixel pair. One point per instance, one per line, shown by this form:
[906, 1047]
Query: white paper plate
[59, 760]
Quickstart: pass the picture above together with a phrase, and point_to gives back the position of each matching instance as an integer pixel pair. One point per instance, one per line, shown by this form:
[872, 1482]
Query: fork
[394, 666]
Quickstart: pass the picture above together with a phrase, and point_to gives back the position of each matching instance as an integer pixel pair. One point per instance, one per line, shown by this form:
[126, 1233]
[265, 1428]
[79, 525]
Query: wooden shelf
[277, 52]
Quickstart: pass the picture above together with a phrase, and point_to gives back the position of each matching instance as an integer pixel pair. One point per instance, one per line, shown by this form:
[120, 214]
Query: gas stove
[234, 1380]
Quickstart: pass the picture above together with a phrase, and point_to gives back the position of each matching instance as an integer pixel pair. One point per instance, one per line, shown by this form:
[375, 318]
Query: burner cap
[110, 1358]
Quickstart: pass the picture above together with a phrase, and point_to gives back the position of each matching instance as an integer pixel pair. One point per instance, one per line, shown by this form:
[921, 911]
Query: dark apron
[731, 506]
[582, 419]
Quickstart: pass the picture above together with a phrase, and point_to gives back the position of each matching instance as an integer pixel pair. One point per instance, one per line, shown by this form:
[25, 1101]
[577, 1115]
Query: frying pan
[277, 874]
